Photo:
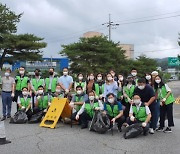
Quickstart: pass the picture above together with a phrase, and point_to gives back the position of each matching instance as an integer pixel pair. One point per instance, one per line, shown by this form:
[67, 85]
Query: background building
[92, 34]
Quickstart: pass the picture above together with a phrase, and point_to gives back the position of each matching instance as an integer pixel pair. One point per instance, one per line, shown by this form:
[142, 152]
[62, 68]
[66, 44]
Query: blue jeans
[6, 103]
[155, 112]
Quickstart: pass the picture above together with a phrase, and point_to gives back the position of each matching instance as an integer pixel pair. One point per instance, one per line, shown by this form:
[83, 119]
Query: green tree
[13, 46]
[95, 54]
[144, 65]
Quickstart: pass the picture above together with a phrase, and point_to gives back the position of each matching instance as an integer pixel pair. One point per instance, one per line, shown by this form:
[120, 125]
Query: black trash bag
[36, 118]
[100, 123]
[20, 117]
[133, 131]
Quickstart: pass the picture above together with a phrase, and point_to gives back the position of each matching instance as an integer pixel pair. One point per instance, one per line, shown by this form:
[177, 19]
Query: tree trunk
[2, 58]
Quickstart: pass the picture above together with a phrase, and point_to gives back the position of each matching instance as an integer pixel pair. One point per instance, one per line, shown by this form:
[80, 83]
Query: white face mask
[148, 77]
[109, 78]
[134, 73]
[58, 90]
[157, 81]
[111, 100]
[80, 77]
[65, 73]
[91, 77]
[137, 101]
[91, 98]
[21, 72]
[79, 92]
[141, 87]
[40, 91]
[121, 79]
[99, 78]
[7, 74]
[25, 93]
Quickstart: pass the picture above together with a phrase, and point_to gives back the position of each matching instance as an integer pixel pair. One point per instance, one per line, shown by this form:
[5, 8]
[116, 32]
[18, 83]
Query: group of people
[125, 100]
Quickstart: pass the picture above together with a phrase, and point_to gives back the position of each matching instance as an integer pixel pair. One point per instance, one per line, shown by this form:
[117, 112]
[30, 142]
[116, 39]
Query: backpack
[100, 123]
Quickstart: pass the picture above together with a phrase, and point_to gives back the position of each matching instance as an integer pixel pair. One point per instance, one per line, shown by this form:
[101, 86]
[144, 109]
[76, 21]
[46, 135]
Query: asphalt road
[32, 139]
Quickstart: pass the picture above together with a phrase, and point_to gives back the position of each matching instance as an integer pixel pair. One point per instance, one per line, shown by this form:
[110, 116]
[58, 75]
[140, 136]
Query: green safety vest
[119, 94]
[99, 89]
[129, 92]
[43, 102]
[53, 84]
[24, 102]
[141, 114]
[59, 96]
[162, 94]
[78, 99]
[90, 109]
[21, 83]
[82, 84]
[37, 84]
[112, 111]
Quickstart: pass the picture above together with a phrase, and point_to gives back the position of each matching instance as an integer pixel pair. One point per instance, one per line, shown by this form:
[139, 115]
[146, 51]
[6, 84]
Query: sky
[151, 25]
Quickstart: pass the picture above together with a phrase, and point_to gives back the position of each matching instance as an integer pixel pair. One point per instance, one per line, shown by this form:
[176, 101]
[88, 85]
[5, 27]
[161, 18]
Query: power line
[157, 50]
[125, 23]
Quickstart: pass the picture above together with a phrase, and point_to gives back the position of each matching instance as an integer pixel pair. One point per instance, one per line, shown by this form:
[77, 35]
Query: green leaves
[97, 54]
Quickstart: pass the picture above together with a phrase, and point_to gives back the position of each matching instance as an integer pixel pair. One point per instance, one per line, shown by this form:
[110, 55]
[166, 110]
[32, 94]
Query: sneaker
[160, 129]
[151, 131]
[4, 118]
[8, 116]
[168, 130]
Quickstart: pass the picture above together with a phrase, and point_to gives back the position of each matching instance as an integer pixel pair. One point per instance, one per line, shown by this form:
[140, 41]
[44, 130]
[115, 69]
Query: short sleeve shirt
[7, 83]
[65, 80]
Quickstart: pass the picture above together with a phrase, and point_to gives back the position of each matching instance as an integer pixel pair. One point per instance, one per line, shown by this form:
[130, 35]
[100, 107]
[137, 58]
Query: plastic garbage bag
[20, 117]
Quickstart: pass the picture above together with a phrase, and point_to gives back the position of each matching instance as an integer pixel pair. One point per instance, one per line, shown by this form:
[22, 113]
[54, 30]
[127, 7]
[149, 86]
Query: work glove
[77, 117]
[66, 91]
[49, 103]
[45, 110]
[163, 100]
[22, 108]
[97, 108]
[38, 97]
[144, 124]
[12, 95]
[132, 118]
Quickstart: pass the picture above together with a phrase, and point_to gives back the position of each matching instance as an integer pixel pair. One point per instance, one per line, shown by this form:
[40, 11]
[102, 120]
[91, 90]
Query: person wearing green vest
[35, 83]
[51, 82]
[86, 112]
[77, 101]
[134, 74]
[80, 82]
[58, 93]
[24, 102]
[114, 111]
[128, 91]
[166, 99]
[43, 101]
[21, 81]
[99, 86]
[139, 113]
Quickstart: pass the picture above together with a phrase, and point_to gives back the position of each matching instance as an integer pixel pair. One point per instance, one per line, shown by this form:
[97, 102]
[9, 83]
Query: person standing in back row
[51, 82]
[21, 81]
[66, 82]
[7, 93]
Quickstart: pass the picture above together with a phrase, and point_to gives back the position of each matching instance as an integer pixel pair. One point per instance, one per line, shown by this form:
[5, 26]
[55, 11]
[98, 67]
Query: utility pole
[110, 24]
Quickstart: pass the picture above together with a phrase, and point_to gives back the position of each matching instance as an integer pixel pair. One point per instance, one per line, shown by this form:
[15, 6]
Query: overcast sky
[64, 21]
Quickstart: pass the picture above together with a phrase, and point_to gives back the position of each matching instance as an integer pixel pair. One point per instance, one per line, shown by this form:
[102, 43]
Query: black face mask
[50, 73]
[37, 73]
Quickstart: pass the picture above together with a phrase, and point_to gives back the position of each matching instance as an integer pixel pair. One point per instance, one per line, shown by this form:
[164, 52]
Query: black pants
[84, 118]
[29, 114]
[145, 129]
[119, 121]
[17, 94]
[33, 101]
[126, 110]
[166, 109]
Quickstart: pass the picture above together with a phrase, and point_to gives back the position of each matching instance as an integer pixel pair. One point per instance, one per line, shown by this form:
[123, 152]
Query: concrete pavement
[32, 139]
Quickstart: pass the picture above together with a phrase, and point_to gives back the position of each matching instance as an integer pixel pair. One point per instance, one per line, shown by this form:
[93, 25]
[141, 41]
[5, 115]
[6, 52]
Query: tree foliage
[97, 54]
[14, 46]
